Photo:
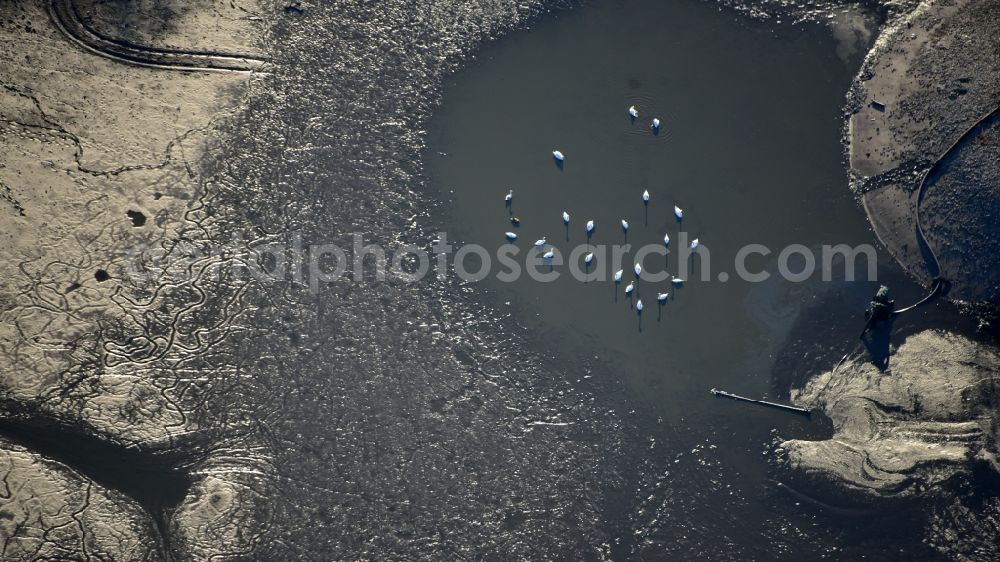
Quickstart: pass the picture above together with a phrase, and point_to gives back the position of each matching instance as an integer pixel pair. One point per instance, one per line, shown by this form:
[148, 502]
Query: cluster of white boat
[548, 253]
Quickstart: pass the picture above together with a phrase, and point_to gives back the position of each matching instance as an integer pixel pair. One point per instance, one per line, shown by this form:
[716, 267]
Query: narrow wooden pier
[794, 409]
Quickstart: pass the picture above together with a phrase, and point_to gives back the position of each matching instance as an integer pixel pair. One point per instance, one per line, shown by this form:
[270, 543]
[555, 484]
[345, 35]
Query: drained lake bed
[195, 369]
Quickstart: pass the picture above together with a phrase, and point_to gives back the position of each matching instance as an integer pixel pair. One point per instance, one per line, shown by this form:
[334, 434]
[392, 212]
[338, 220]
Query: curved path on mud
[970, 133]
[67, 18]
[930, 256]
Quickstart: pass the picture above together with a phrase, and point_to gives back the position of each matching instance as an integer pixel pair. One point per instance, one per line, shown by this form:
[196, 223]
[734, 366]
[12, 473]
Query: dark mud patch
[137, 217]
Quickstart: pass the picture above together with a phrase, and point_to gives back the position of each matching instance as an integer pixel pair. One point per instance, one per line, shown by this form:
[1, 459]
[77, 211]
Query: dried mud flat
[192, 414]
[104, 381]
[925, 431]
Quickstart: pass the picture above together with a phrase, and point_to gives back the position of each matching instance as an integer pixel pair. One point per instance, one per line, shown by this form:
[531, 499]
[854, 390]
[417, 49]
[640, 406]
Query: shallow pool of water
[749, 148]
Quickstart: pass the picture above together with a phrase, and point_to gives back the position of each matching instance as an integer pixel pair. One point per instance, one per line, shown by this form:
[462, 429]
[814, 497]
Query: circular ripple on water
[649, 106]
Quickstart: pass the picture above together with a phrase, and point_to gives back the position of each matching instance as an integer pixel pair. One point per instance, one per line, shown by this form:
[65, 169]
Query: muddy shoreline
[396, 420]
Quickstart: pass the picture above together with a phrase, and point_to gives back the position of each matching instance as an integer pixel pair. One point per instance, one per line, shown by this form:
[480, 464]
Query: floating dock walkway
[794, 409]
